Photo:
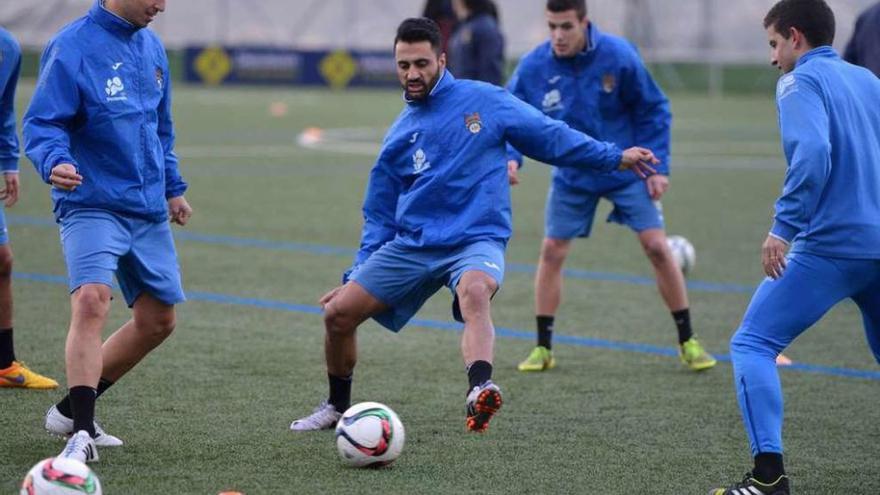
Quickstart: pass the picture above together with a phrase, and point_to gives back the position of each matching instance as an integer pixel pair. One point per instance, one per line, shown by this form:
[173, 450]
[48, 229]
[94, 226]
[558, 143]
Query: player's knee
[163, 325]
[476, 293]
[337, 321]
[92, 302]
[554, 251]
[656, 250]
[5, 263]
[746, 343]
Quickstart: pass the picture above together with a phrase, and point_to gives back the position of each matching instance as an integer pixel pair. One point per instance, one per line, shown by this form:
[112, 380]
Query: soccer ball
[683, 252]
[369, 434]
[60, 476]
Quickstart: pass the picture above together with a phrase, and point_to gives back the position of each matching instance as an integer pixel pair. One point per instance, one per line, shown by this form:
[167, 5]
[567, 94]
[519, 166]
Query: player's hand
[657, 186]
[64, 176]
[179, 210]
[326, 298]
[773, 256]
[639, 160]
[513, 172]
[9, 194]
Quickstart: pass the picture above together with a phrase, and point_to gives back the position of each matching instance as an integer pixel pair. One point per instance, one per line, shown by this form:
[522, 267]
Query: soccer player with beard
[437, 213]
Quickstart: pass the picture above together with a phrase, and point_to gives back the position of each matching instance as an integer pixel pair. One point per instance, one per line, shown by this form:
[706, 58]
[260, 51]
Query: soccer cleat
[60, 425]
[540, 359]
[81, 447]
[483, 402]
[694, 356]
[20, 376]
[324, 417]
[751, 486]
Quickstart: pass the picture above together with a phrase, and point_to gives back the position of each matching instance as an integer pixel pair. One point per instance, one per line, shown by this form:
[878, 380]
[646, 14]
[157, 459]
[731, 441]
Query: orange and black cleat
[483, 402]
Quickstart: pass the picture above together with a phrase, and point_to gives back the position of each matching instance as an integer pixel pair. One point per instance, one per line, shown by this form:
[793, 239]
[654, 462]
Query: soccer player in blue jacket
[13, 374]
[437, 213]
[597, 84]
[828, 218]
[99, 130]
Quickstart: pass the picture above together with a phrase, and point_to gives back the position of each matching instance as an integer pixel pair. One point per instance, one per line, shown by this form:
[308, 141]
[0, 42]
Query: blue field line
[501, 332]
[298, 247]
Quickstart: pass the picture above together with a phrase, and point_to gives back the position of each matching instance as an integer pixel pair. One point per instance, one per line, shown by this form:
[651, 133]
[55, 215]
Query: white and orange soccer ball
[683, 252]
[60, 476]
[369, 434]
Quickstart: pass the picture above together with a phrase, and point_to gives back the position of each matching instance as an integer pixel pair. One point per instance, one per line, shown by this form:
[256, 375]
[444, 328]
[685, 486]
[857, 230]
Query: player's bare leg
[474, 292]
[670, 283]
[152, 322]
[13, 374]
[548, 297]
[350, 306]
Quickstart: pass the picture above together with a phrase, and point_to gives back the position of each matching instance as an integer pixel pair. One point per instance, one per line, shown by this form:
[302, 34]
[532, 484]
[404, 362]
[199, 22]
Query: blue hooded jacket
[829, 118]
[103, 104]
[440, 179]
[10, 64]
[604, 91]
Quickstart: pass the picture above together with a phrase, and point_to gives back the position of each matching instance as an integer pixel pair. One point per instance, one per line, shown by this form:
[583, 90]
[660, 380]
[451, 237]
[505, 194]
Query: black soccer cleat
[751, 486]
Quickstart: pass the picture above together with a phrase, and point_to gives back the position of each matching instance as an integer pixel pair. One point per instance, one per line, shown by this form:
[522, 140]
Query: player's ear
[441, 61]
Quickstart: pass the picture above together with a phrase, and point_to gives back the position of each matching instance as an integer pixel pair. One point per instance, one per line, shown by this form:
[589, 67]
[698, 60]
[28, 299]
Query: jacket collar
[821, 52]
[443, 84]
[110, 21]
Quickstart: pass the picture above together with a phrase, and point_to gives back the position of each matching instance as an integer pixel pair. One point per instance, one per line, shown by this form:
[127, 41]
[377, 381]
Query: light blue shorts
[569, 212]
[99, 243]
[4, 233]
[404, 278]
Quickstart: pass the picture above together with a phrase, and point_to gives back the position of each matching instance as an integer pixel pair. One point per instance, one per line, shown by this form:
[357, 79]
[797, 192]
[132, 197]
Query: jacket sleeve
[380, 208]
[649, 107]
[175, 186]
[53, 109]
[516, 88]
[552, 141]
[804, 126]
[8, 138]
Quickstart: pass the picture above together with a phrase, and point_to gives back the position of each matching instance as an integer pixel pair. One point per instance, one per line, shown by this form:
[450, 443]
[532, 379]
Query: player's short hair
[579, 6]
[418, 29]
[814, 18]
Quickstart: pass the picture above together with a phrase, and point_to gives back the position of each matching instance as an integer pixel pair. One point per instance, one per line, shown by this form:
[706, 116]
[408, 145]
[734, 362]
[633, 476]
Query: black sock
[545, 330]
[768, 467]
[340, 392]
[82, 401]
[64, 405]
[683, 322]
[7, 350]
[479, 372]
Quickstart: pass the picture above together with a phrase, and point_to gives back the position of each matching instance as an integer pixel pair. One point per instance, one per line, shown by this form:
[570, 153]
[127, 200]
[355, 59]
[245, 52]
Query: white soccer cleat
[80, 446]
[62, 426]
[324, 417]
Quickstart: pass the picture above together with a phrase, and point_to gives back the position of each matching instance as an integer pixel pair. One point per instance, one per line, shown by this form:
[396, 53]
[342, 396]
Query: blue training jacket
[440, 179]
[10, 64]
[829, 118]
[604, 91]
[103, 103]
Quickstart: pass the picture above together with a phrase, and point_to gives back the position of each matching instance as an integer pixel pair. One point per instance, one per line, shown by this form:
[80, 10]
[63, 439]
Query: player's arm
[49, 118]
[516, 87]
[380, 207]
[649, 107]
[8, 138]
[804, 128]
[552, 141]
[11, 54]
[179, 209]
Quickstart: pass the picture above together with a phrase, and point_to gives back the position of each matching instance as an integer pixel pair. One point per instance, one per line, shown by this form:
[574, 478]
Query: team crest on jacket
[608, 83]
[160, 77]
[473, 123]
